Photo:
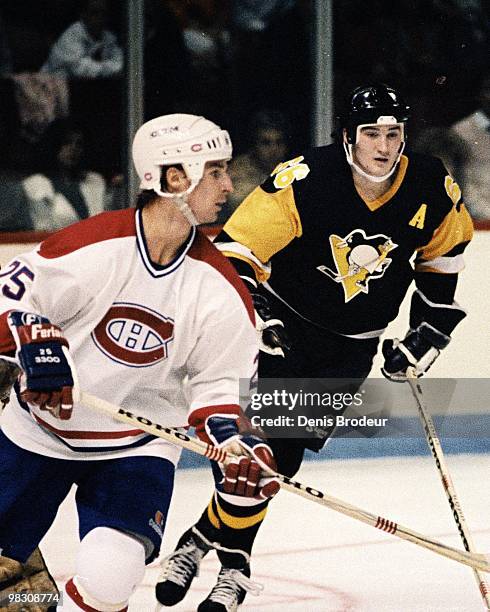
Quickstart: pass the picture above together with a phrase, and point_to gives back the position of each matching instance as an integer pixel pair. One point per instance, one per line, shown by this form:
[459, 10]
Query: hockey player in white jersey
[138, 307]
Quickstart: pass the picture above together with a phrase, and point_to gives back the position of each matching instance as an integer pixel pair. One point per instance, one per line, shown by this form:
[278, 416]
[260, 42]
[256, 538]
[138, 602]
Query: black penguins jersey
[338, 259]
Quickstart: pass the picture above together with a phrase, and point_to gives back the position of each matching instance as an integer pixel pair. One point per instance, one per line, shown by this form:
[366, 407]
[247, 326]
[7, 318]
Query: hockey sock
[239, 525]
[209, 524]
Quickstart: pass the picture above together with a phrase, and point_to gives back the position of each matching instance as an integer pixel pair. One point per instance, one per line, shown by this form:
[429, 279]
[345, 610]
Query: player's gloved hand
[250, 474]
[418, 350]
[273, 338]
[431, 325]
[47, 380]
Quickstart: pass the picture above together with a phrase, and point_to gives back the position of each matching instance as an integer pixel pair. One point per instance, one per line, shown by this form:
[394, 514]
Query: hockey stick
[474, 560]
[436, 450]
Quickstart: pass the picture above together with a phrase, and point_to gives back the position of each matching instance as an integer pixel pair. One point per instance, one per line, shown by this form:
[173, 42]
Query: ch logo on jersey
[358, 259]
[134, 335]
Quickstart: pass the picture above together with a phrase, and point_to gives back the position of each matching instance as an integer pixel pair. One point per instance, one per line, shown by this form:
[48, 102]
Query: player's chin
[210, 215]
[216, 211]
[380, 168]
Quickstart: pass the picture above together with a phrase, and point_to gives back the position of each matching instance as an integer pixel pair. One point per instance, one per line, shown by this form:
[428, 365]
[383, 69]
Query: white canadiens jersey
[160, 341]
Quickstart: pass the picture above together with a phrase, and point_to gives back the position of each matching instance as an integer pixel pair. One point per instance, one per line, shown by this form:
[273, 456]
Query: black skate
[230, 590]
[181, 567]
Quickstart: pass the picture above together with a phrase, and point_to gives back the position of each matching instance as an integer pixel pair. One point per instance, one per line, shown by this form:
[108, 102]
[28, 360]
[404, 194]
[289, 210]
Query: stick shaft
[447, 483]
[195, 445]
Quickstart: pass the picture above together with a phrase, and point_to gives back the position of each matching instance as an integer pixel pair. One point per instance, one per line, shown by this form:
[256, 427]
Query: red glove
[251, 473]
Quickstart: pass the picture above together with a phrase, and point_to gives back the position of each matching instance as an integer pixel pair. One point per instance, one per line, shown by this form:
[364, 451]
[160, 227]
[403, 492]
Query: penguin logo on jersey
[134, 335]
[358, 259]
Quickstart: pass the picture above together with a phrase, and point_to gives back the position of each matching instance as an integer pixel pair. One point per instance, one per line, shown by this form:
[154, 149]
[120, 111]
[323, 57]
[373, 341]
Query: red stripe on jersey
[197, 417]
[105, 226]
[88, 435]
[204, 250]
[72, 591]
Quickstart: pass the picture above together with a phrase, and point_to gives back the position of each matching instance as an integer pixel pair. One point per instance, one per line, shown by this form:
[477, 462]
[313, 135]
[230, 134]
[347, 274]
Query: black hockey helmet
[372, 104]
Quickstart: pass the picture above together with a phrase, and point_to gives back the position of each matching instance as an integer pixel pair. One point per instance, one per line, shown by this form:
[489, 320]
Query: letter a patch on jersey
[358, 259]
[418, 219]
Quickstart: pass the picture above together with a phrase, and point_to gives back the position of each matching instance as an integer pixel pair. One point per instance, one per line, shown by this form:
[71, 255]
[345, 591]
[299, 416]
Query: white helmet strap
[375, 179]
[180, 200]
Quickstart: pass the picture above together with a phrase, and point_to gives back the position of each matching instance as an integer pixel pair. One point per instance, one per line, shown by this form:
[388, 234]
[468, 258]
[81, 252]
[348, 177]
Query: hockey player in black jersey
[325, 246]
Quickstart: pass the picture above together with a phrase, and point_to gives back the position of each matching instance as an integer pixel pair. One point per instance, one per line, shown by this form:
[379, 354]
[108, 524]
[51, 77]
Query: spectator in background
[65, 191]
[255, 15]
[86, 49]
[474, 131]
[267, 147]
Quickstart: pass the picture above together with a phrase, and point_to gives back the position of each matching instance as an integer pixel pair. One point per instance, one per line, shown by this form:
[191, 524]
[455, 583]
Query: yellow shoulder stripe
[265, 222]
[457, 227]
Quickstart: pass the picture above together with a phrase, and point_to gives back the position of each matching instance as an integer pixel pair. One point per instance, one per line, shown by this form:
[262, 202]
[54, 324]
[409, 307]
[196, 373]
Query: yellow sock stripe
[240, 522]
[214, 520]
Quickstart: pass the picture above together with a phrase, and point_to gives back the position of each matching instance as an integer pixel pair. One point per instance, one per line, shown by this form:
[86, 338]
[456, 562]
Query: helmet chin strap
[359, 170]
[180, 200]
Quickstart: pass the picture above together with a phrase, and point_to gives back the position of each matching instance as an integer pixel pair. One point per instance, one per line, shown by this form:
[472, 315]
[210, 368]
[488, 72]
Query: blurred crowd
[245, 64]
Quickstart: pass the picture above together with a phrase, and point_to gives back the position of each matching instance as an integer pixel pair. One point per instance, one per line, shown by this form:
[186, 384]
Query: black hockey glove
[418, 350]
[273, 338]
[430, 328]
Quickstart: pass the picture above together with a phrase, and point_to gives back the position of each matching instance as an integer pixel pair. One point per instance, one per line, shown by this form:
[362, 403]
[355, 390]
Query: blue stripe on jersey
[86, 449]
[103, 449]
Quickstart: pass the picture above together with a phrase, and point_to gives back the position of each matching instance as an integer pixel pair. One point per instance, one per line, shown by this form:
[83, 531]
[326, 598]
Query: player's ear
[176, 179]
[344, 135]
